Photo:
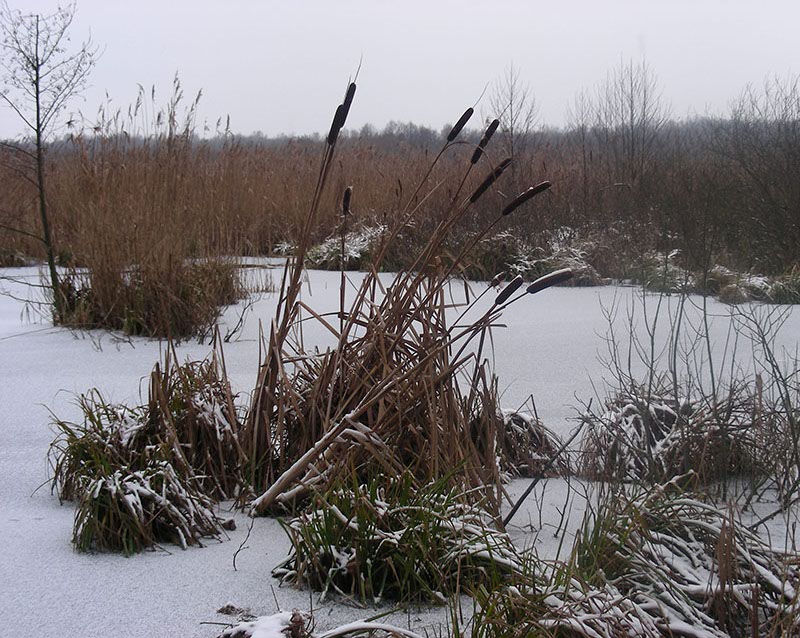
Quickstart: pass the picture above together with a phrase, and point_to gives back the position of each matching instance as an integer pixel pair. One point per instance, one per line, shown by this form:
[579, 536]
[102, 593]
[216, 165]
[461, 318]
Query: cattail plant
[386, 398]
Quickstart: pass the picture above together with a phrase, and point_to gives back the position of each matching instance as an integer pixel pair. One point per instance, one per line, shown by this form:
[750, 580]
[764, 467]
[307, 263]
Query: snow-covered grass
[548, 347]
[387, 540]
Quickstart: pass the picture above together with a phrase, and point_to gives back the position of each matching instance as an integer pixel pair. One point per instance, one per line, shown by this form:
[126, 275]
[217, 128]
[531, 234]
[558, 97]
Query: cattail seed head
[491, 178]
[485, 140]
[523, 197]
[336, 125]
[551, 279]
[462, 121]
[498, 279]
[509, 290]
[348, 100]
[348, 194]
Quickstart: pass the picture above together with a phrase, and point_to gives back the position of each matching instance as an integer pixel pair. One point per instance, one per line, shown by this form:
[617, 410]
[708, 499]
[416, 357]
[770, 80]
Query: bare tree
[580, 118]
[41, 72]
[630, 114]
[761, 148]
[515, 106]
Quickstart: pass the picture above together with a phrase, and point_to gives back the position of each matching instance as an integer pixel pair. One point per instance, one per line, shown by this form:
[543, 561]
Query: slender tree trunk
[58, 299]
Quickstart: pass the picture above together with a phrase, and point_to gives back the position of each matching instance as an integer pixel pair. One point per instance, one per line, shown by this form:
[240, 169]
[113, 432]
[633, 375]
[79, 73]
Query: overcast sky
[281, 67]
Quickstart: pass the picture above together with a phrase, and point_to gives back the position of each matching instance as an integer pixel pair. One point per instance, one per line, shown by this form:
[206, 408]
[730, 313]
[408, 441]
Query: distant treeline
[624, 174]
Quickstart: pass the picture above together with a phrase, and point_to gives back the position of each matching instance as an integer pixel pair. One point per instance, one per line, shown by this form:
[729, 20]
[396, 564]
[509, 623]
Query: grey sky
[281, 67]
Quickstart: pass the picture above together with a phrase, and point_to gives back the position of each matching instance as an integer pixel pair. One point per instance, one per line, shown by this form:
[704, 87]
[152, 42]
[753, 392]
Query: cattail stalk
[551, 279]
[491, 178]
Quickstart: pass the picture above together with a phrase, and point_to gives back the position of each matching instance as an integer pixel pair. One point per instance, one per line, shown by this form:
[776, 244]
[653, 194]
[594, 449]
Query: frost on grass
[358, 247]
[151, 473]
[389, 540]
[129, 511]
[657, 435]
[653, 562]
[689, 564]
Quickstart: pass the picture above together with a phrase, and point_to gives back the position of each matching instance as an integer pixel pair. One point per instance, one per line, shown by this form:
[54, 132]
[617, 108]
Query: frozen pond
[549, 347]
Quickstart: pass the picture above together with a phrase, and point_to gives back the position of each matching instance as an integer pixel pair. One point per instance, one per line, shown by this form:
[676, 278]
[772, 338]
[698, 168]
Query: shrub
[359, 246]
[786, 290]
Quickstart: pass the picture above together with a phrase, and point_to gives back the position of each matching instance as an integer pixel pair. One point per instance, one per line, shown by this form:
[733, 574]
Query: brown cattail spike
[462, 121]
[509, 290]
[551, 279]
[336, 125]
[348, 194]
[485, 140]
[348, 100]
[491, 178]
[523, 197]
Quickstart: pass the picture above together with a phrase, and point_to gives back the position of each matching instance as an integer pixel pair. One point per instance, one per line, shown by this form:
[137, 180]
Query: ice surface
[549, 348]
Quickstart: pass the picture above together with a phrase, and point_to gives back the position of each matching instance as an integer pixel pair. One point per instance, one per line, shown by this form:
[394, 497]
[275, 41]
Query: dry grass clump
[527, 448]
[151, 473]
[173, 299]
[654, 436]
[387, 539]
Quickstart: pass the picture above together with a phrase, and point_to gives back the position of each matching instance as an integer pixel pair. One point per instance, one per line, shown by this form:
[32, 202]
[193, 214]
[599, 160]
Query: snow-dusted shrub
[149, 473]
[526, 447]
[131, 510]
[504, 251]
[662, 272]
[786, 289]
[693, 568]
[655, 436]
[358, 246]
[652, 562]
[388, 539]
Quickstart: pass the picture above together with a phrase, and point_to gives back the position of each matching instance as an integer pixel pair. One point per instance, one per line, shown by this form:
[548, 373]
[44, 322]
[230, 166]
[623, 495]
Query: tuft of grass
[687, 563]
[175, 300]
[390, 539]
[654, 436]
[786, 289]
[151, 473]
[132, 510]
